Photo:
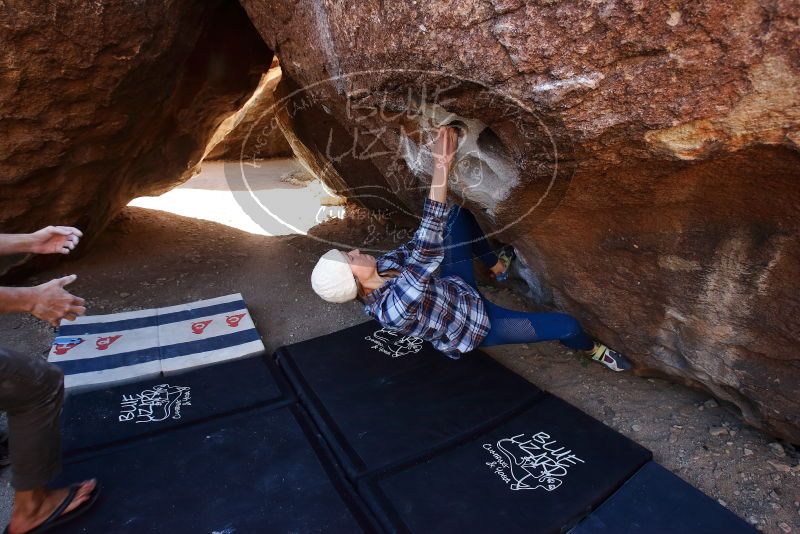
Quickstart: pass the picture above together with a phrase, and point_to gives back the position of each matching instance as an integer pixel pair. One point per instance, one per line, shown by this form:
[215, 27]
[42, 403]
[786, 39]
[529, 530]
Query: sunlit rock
[642, 158]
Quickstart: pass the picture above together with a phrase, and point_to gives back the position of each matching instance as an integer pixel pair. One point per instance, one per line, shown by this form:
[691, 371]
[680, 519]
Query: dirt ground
[149, 258]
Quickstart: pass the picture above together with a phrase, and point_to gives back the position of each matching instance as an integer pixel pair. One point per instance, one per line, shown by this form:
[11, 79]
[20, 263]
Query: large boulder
[104, 101]
[642, 158]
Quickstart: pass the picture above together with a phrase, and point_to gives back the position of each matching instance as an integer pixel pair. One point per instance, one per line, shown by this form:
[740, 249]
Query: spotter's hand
[51, 302]
[55, 240]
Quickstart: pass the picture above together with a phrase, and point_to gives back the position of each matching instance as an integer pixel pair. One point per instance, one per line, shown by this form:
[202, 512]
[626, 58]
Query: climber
[403, 292]
[32, 390]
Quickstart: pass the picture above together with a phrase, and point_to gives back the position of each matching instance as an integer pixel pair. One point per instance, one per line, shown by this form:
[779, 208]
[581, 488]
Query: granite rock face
[642, 158]
[104, 101]
[239, 136]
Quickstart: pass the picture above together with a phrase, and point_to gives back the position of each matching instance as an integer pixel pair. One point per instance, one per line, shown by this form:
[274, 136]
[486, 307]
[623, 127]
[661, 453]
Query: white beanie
[332, 278]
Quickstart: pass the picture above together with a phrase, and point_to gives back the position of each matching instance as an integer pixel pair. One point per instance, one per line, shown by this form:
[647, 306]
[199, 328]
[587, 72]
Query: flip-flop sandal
[55, 519]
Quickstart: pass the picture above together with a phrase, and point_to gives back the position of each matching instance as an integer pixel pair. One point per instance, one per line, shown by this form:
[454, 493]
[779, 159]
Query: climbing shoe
[505, 256]
[610, 358]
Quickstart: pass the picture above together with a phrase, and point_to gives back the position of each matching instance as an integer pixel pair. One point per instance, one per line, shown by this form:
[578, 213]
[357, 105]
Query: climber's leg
[458, 234]
[464, 238]
[511, 326]
[479, 243]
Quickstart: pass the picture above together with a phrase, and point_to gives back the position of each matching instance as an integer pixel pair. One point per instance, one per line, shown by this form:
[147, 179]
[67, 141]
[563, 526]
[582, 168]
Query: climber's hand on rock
[444, 149]
[51, 302]
[55, 240]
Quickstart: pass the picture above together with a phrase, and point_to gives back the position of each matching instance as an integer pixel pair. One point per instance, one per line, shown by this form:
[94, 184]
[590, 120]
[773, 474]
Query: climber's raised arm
[444, 151]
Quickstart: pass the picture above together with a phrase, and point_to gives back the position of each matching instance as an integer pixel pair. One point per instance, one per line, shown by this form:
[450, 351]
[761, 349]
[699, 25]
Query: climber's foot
[500, 269]
[610, 358]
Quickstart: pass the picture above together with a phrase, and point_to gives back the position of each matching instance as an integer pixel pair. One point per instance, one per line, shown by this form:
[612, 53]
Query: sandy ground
[148, 258]
[287, 207]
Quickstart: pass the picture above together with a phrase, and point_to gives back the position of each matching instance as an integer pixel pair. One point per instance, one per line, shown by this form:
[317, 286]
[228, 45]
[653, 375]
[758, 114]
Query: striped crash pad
[99, 350]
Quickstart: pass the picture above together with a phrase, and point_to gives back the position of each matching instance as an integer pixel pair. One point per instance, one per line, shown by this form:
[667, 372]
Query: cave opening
[246, 160]
[293, 201]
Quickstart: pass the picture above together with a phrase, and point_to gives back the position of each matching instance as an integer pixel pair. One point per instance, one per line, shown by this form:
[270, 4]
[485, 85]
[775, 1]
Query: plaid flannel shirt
[444, 310]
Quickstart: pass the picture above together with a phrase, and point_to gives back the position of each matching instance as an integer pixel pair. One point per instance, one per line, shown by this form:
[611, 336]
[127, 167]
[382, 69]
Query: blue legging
[463, 238]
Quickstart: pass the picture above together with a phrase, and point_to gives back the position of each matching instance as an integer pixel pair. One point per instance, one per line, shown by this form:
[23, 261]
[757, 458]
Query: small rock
[748, 452]
[124, 294]
[781, 468]
[774, 495]
[777, 448]
[674, 18]
[636, 428]
[723, 503]
[710, 403]
[784, 527]
[718, 431]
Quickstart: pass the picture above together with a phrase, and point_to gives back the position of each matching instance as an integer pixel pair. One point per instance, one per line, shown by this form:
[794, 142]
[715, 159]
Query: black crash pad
[541, 471]
[103, 417]
[381, 399]
[655, 501]
[256, 471]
